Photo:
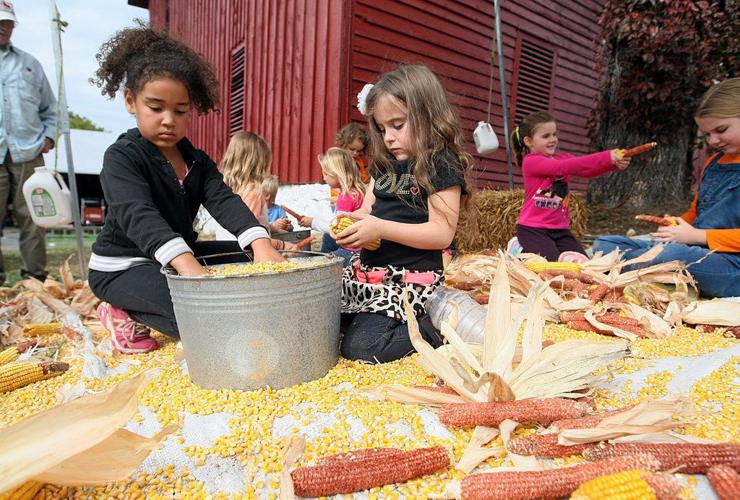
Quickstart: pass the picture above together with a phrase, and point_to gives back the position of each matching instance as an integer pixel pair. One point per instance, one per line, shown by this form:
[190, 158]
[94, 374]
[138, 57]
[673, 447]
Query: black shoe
[428, 332]
[2, 278]
[41, 277]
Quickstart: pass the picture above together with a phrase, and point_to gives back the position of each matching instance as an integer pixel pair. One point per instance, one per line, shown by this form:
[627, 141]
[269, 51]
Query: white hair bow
[362, 98]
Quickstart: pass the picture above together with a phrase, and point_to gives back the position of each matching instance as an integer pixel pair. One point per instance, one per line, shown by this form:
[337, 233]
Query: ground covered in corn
[229, 444]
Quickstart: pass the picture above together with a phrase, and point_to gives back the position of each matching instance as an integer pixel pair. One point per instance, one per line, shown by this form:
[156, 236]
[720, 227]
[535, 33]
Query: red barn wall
[306, 60]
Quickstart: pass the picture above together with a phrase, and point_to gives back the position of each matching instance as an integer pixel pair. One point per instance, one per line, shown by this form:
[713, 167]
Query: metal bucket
[250, 331]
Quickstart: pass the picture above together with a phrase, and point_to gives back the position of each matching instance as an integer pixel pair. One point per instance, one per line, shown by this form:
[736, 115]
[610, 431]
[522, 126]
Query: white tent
[89, 148]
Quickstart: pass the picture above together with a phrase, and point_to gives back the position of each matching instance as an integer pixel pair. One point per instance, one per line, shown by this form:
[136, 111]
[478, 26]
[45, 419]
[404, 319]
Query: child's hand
[283, 224]
[264, 251]
[683, 232]
[366, 230]
[305, 221]
[618, 161]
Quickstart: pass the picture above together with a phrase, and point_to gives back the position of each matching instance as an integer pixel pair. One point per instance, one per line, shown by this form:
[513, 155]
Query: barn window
[534, 64]
[236, 91]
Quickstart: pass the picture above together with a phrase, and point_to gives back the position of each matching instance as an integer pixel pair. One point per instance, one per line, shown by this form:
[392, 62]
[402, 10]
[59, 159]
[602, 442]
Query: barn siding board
[307, 59]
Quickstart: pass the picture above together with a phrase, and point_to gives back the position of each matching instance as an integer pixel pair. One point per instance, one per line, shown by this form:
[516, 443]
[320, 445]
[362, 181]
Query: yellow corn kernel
[32, 329]
[539, 267]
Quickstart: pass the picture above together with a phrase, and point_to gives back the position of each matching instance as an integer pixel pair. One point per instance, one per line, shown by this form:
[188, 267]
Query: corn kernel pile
[240, 456]
[261, 267]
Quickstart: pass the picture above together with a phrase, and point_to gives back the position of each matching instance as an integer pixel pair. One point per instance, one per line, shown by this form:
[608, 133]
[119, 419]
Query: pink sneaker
[570, 256]
[128, 336]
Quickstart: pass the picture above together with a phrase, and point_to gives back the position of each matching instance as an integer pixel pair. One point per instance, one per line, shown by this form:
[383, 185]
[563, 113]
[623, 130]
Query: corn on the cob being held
[687, 458]
[342, 223]
[637, 150]
[21, 373]
[725, 482]
[629, 485]
[547, 484]
[656, 219]
[525, 411]
[364, 469]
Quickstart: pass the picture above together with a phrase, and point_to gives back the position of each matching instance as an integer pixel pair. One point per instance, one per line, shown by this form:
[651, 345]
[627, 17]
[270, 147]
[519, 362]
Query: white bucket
[48, 198]
[485, 138]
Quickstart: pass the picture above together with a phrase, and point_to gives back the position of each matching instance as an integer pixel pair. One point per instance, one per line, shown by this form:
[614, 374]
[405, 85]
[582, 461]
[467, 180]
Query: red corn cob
[524, 411]
[360, 470]
[599, 292]
[587, 422]
[547, 484]
[609, 318]
[569, 284]
[576, 275]
[638, 150]
[585, 326]
[545, 445]
[725, 482]
[615, 294]
[304, 242]
[654, 219]
[688, 458]
[292, 212]
[364, 455]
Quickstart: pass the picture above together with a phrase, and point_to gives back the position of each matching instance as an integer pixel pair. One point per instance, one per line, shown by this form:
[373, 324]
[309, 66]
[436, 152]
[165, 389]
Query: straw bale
[497, 213]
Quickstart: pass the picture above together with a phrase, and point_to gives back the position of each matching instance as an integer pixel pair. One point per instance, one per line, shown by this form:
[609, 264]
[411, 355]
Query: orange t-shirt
[721, 240]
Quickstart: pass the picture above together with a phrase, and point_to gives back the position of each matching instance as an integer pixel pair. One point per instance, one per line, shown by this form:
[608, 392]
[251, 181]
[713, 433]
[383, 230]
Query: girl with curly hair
[154, 180]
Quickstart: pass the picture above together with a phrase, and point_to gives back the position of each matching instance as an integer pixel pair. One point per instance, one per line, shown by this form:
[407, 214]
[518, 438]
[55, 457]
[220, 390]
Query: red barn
[290, 69]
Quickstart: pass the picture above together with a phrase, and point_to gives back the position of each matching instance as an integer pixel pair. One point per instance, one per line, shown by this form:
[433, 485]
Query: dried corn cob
[376, 468]
[304, 242]
[292, 212]
[725, 482]
[629, 485]
[13, 352]
[525, 411]
[26, 491]
[342, 223]
[599, 292]
[656, 219]
[31, 329]
[367, 454]
[608, 318]
[637, 150]
[689, 458]
[568, 274]
[544, 445]
[614, 295]
[587, 422]
[585, 326]
[547, 484]
[539, 267]
[19, 374]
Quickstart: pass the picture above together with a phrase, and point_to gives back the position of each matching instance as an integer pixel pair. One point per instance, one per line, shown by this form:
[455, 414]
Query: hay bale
[497, 212]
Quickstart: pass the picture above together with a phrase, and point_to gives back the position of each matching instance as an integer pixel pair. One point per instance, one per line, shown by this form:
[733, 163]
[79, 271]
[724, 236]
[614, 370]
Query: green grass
[58, 249]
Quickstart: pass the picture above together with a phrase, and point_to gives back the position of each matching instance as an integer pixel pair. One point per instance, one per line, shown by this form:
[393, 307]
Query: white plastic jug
[471, 315]
[485, 138]
[48, 198]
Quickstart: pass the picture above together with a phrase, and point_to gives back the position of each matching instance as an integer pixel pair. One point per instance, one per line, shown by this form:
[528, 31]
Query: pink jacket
[545, 200]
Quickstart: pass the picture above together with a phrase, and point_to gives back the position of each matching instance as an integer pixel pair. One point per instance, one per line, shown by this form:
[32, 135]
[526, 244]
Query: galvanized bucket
[250, 331]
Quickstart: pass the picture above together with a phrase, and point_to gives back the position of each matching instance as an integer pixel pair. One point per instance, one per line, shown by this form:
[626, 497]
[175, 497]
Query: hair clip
[362, 98]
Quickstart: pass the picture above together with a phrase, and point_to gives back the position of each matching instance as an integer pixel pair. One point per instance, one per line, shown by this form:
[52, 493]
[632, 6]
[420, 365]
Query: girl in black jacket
[154, 180]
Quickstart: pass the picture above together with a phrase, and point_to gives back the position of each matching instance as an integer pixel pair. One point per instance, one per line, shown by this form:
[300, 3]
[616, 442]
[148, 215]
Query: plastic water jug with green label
[48, 198]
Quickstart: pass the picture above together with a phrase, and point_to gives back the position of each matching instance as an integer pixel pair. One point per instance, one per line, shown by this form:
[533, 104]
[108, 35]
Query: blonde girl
[413, 201]
[707, 236]
[245, 165]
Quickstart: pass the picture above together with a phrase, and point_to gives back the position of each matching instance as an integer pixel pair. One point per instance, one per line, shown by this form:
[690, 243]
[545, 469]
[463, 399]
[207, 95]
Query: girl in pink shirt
[544, 221]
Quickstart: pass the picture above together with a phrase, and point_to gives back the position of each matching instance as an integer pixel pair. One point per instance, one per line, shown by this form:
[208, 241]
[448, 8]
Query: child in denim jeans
[419, 169]
[707, 236]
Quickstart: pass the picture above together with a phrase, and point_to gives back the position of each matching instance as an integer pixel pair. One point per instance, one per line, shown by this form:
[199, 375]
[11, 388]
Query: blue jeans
[718, 275]
[329, 245]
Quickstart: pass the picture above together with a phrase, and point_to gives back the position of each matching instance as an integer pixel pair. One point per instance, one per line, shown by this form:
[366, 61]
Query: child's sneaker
[128, 336]
[513, 248]
[571, 256]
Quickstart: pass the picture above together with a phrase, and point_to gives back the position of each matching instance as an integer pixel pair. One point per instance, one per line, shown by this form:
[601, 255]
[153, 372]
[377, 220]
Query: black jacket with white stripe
[150, 214]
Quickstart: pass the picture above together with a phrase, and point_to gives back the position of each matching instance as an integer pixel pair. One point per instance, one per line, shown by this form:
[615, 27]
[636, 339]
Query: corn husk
[591, 318]
[43, 443]
[712, 312]
[648, 417]
[291, 455]
[475, 452]
[654, 324]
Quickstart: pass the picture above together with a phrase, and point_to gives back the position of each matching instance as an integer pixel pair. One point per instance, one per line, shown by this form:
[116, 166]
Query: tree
[80, 122]
[656, 58]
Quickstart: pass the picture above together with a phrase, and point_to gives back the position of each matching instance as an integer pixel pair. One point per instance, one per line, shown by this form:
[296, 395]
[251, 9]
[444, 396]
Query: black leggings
[376, 338]
[549, 243]
[142, 290]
